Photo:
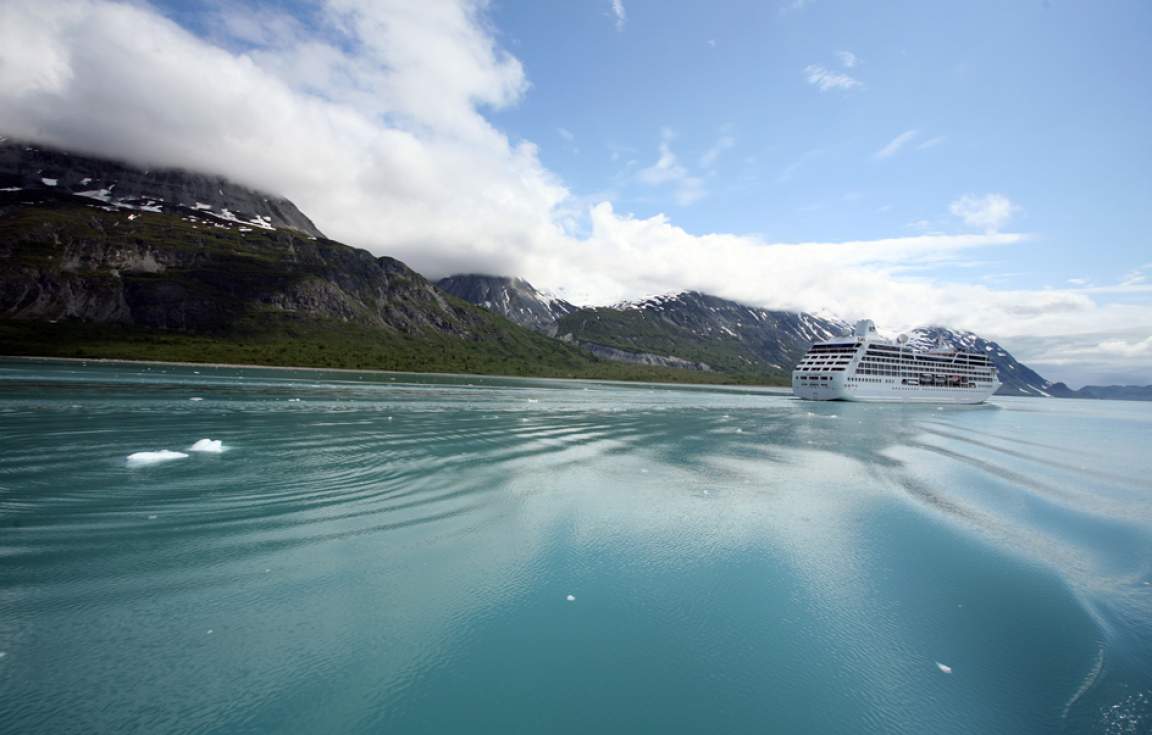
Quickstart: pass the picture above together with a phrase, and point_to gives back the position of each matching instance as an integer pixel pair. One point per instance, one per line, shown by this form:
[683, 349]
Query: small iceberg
[571, 598]
[163, 455]
[944, 668]
[195, 398]
[214, 446]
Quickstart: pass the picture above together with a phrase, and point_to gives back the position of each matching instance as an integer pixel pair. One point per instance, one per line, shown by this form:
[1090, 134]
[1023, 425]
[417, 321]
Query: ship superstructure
[867, 367]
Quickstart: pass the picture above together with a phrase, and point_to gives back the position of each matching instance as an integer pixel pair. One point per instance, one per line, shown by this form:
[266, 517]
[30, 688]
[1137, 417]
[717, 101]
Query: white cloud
[826, 80]
[709, 157]
[989, 212]
[847, 59]
[790, 170]
[1121, 348]
[930, 143]
[566, 134]
[619, 13]
[354, 137]
[794, 6]
[668, 171]
[336, 115]
[893, 147]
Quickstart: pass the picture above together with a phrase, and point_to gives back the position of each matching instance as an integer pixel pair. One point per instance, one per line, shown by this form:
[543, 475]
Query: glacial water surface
[385, 553]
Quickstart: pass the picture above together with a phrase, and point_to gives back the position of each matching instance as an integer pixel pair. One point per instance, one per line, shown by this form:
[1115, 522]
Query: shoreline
[775, 389]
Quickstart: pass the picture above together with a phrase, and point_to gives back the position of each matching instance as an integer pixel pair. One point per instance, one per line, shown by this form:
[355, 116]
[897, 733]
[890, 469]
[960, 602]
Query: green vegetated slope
[726, 336]
[641, 331]
[80, 280]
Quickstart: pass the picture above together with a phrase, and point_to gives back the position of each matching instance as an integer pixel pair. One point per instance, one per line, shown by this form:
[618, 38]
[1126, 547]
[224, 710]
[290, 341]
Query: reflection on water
[382, 551]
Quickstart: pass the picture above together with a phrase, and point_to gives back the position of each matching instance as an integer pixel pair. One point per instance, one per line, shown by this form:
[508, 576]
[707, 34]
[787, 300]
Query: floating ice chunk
[944, 668]
[195, 398]
[571, 598]
[293, 400]
[152, 517]
[214, 446]
[49, 182]
[209, 631]
[163, 455]
[533, 400]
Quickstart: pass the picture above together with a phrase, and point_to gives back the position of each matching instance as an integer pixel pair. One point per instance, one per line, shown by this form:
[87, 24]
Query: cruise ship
[866, 367]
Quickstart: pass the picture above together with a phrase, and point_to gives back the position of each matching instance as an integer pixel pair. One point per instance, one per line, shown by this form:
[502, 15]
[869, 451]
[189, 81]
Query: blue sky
[1047, 103]
[982, 166]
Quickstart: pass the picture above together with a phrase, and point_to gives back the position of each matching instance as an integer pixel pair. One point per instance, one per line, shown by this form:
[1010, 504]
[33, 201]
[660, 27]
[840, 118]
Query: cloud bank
[371, 115]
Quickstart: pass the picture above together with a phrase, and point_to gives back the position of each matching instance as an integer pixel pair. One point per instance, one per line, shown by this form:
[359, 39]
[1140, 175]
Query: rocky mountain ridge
[512, 298]
[701, 332]
[1106, 392]
[89, 241]
[34, 170]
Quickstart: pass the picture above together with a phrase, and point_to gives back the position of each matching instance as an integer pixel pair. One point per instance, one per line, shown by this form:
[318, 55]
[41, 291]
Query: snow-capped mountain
[38, 171]
[689, 329]
[745, 337]
[1018, 379]
[703, 332]
[512, 298]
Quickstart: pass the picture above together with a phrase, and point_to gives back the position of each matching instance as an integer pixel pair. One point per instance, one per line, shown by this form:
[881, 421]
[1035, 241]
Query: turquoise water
[395, 553]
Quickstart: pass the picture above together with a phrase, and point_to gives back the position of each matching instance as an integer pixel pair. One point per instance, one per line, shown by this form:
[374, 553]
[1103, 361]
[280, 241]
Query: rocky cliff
[512, 298]
[34, 169]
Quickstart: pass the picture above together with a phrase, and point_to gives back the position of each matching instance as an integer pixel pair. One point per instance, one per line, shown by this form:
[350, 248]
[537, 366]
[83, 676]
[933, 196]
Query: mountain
[711, 332]
[706, 333]
[512, 298]
[688, 330]
[172, 265]
[79, 280]
[34, 169]
[99, 258]
[1018, 379]
[1107, 392]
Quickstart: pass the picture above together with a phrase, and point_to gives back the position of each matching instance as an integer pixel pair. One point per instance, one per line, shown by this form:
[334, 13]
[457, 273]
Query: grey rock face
[68, 260]
[27, 167]
[512, 298]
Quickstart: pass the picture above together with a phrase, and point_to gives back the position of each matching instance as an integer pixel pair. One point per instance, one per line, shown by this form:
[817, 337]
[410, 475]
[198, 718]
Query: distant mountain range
[99, 258]
[1110, 392]
[701, 332]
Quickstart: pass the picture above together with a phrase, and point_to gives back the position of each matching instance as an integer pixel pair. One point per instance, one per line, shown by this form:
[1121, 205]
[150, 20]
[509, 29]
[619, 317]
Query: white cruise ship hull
[865, 367]
[839, 389]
